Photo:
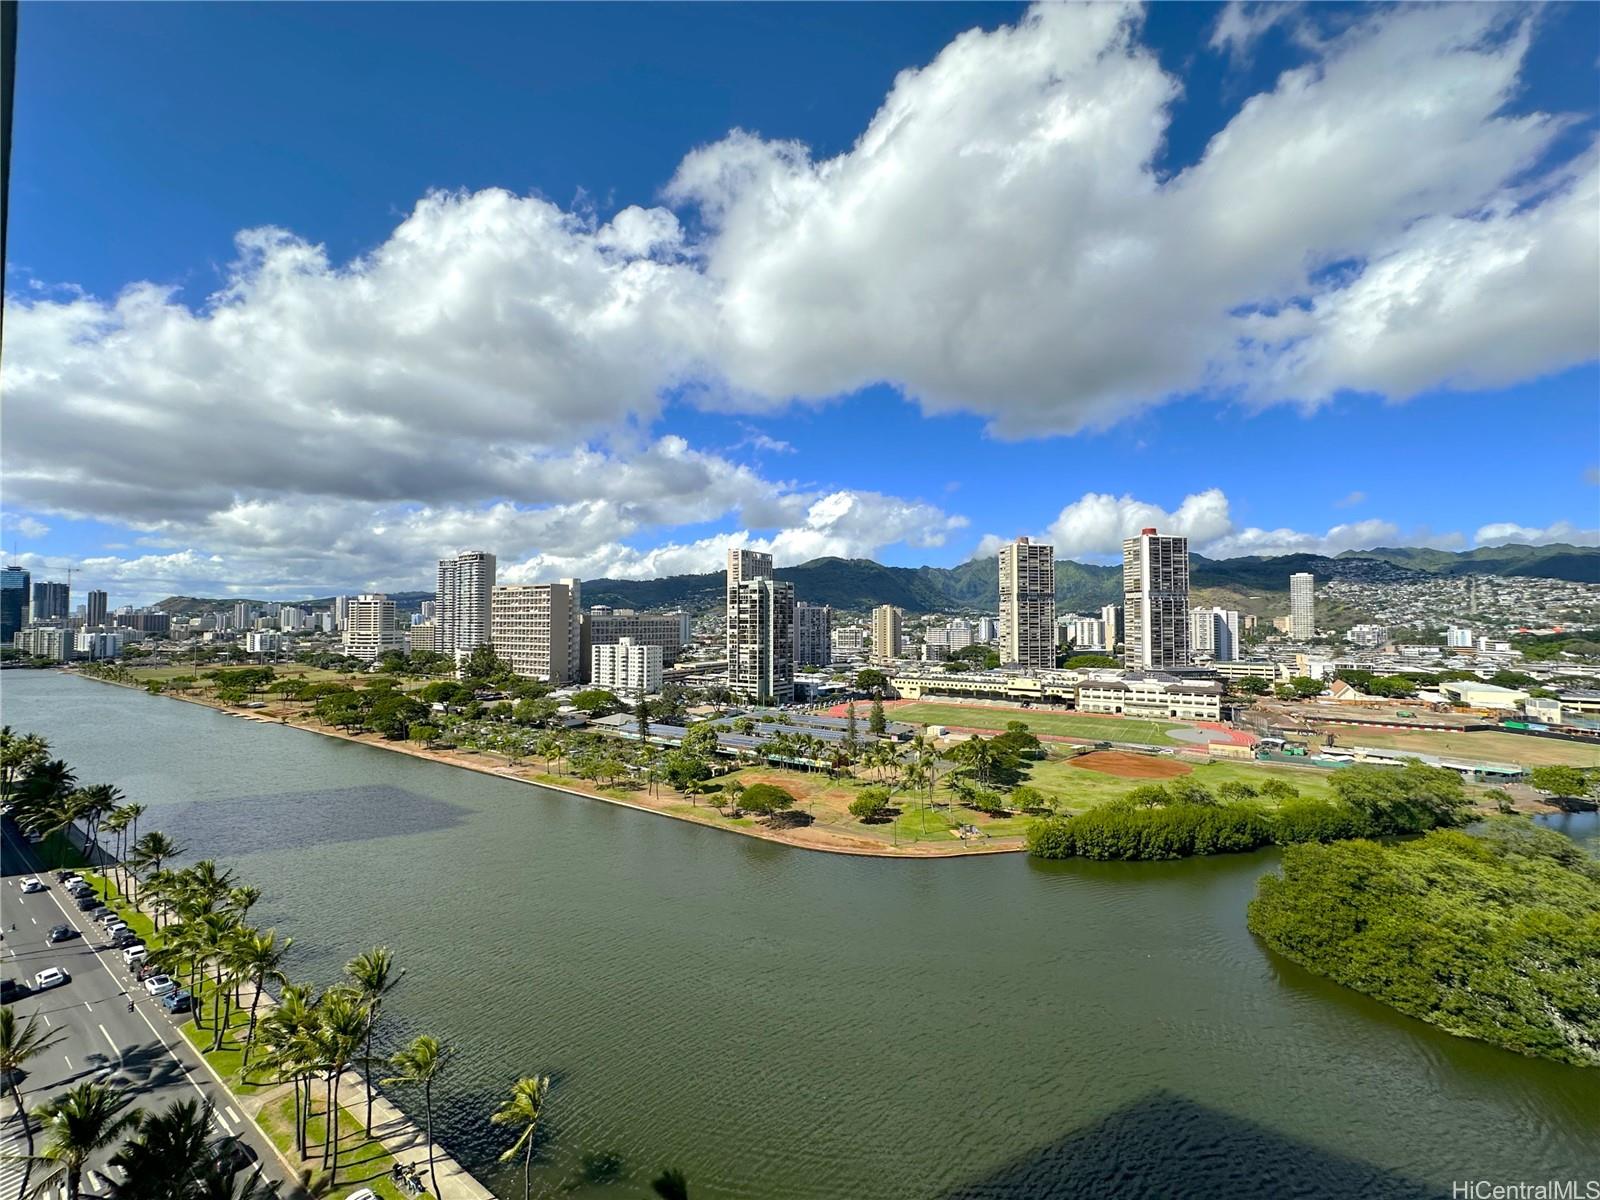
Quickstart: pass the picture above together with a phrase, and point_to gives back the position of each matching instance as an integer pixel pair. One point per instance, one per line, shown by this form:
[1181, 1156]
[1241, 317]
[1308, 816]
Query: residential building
[262, 641]
[1111, 618]
[1028, 604]
[813, 635]
[1214, 634]
[1155, 600]
[761, 641]
[1458, 638]
[1302, 606]
[537, 628]
[888, 638]
[463, 606]
[604, 626]
[742, 565]
[626, 667]
[94, 612]
[244, 614]
[1085, 633]
[1368, 635]
[428, 610]
[423, 636]
[51, 602]
[1267, 672]
[988, 630]
[54, 642]
[849, 642]
[341, 611]
[369, 628]
[98, 643]
[327, 621]
[291, 618]
[15, 600]
[151, 621]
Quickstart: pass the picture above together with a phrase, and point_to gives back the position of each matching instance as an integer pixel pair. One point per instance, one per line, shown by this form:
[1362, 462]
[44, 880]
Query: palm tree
[420, 1063]
[153, 849]
[373, 973]
[523, 1109]
[18, 753]
[170, 1146]
[288, 1034]
[342, 1026]
[671, 1184]
[258, 957]
[115, 824]
[78, 1123]
[21, 1042]
[243, 898]
[133, 812]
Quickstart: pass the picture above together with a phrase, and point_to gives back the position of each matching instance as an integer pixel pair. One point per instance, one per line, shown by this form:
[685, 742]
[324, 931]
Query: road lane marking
[233, 1116]
[88, 1006]
[46, 1020]
[35, 920]
[69, 1062]
[223, 1122]
[113, 1045]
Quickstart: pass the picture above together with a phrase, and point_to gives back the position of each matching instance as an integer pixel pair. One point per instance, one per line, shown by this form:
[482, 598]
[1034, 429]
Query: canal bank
[815, 1026]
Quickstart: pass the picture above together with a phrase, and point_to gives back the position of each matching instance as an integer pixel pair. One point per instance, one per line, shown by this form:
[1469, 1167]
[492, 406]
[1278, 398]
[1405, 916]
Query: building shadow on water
[1165, 1146]
[295, 820]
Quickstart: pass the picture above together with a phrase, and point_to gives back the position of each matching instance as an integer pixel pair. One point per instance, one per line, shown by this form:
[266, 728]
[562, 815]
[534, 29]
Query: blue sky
[1281, 278]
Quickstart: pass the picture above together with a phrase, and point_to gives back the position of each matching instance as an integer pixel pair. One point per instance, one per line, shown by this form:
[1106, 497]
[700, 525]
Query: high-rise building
[464, 604]
[1028, 605]
[1214, 632]
[1087, 633]
[848, 641]
[1458, 637]
[290, 618]
[341, 611]
[813, 635]
[422, 636]
[537, 629]
[988, 630]
[51, 602]
[369, 628]
[262, 641]
[605, 626]
[761, 641]
[626, 668]
[54, 642]
[94, 610]
[244, 614]
[1155, 600]
[1302, 606]
[743, 565]
[888, 638]
[428, 610]
[98, 643]
[1111, 618]
[15, 598]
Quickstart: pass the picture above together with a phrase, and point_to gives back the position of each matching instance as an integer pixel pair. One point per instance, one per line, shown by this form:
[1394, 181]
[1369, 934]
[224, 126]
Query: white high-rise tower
[463, 612]
[1028, 604]
[1155, 600]
[1302, 606]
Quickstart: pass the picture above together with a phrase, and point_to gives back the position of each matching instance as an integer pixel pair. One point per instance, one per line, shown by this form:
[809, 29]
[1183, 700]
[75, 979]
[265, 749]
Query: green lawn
[1076, 725]
[363, 1162]
[1078, 789]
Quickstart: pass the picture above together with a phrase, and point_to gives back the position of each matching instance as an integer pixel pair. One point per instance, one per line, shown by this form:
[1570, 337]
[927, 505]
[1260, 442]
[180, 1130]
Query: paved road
[142, 1050]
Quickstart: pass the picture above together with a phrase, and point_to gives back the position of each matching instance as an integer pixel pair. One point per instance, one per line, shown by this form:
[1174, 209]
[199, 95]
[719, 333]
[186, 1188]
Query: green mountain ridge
[1254, 584]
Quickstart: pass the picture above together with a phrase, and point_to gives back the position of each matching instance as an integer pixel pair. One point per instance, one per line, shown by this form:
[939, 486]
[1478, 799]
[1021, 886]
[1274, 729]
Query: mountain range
[1253, 584]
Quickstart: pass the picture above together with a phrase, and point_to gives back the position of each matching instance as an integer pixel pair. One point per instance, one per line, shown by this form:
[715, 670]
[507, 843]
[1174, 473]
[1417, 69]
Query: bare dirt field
[1130, 766]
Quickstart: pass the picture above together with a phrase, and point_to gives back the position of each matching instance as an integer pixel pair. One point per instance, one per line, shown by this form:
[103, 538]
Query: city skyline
[627, 441]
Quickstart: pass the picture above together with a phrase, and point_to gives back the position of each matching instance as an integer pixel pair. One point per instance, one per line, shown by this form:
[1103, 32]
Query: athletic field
[1074, 725]
[1485, 746]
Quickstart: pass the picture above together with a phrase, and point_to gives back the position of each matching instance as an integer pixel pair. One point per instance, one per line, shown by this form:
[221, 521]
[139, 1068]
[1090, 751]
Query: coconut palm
[115, 824]
[342, 1027]
[671, 1184]
[131, 837]
[151, 851]
[78, 1124]
[373, 973]
[20, 1043]
[523, 1110]
[243, 898]
[288, 1037]
[258, 957]
[169, 1148]
[19, 753]
[420, 1064]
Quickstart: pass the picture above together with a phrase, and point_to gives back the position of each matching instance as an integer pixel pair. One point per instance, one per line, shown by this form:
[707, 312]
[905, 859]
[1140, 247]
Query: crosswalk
[11, 1145]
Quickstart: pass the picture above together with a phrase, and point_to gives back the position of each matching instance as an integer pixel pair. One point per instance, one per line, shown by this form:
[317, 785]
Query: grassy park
[1074, 725]
[1486, 746]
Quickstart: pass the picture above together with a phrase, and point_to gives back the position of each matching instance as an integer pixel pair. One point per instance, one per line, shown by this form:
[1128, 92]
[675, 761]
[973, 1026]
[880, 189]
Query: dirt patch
[1130, 766]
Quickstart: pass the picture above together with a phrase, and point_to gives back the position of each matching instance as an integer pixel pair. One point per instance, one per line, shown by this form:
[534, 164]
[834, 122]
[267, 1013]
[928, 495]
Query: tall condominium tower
[887, 640]
[1028, 604]
[51, 602]
[1302, 606]
[94, 609]
[743, 565]
[537, 629]
[15, 597]
[462, 607]
[761, 641]
[1155, 600]
[370, 631]
[1111, 615]
[1214, 632]
[813, 635]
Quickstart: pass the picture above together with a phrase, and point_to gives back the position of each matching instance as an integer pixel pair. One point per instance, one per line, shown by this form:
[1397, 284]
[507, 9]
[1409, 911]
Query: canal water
[782, 1023]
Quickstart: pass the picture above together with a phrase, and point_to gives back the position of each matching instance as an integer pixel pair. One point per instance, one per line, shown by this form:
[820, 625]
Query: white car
[160, 985]
[115, 927]
[134, 954]
[31, 883]
[362, 1194]
[72, 881]
[50, 977]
